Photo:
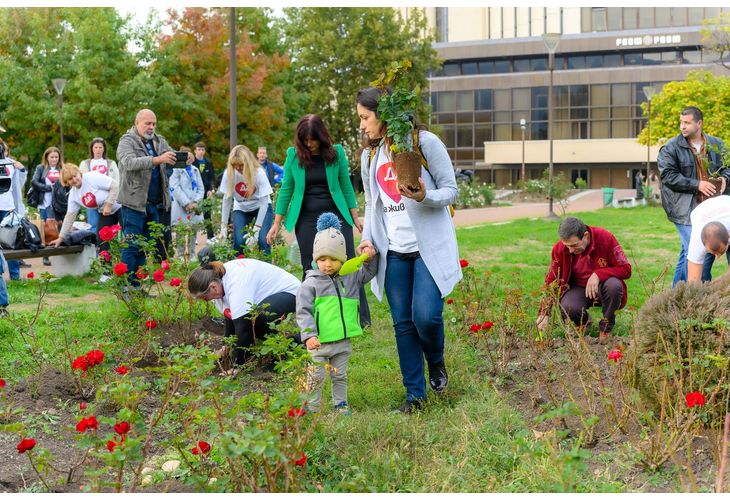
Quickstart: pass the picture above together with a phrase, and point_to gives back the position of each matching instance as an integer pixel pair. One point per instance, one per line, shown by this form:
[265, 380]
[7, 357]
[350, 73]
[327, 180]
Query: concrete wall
[574, 151]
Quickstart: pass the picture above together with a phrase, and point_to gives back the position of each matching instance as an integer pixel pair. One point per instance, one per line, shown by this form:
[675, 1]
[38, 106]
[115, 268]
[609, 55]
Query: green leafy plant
[397, 108]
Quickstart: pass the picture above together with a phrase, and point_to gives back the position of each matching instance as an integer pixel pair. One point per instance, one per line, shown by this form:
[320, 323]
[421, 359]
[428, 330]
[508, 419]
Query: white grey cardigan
[432, 222]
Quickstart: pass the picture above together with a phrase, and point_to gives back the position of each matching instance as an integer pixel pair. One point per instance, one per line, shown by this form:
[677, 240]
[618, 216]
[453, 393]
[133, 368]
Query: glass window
[482, 133]
[521, 98]
[486, 67]
[444, 117]
[620, 112]
[578, 95]
[482, 116]
[446, 101]
[599, 130]
[646, 17]
[538, 131]
[483, 99]
[451, 69]
[561, 130]
[537, 115]
[621, 94]
[503, 117]
[434, 100]
[560, 95]
[469, 68]
[448, 135]
[632, 59]
[613, 15]
[598, 15]
[503, 132]
[696, 16]
[465, 100]
[611, 60]
[679, 16]
[663, 17]
[502, 99]
[600, 95]
[576, 62]
[521, 65]
[579, 130]
[579, 113]
[465, 117]
[501, 66]
[539, 64]
[593, 62]
[631, 18]
[692, 56]
[621, 128]
[464, 136]
[539, 97]
[599, 113]
[652, 58]
[711, 12]
[560, 114]
[671, 57]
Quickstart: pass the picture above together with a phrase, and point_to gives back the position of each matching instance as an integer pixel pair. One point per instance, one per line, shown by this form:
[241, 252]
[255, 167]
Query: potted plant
[397, 108]
[715, 178]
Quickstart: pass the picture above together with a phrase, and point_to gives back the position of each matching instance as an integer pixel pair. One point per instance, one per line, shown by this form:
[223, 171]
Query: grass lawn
[470, 440]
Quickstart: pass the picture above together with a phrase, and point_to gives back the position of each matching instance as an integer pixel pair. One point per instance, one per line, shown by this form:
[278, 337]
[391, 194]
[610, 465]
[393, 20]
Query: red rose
[105, 255]
[2, 383]
[487, 325]
[141, 274]
[122, 370]
[94, 357]
[475, 328]
[116, 228]
[120, 268]
[159, 275]
[87, 423]
[240, 256]
[106, 233]
[121, 428]
[464, 263]
[295, 412]
[615, 355]
[165, 265]
[203, 447]
[110, 445]
[175, 282]
[25, 445]
[301, 460]
[151, 324]
[80, 363]
[449, 301]
[695, 399]
[30, 275]
[82, 406]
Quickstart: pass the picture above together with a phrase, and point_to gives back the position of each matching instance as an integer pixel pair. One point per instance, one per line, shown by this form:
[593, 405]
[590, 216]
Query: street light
[649, 92]
[59, 84]
[523, 126]
[233, 103]
[551, 43]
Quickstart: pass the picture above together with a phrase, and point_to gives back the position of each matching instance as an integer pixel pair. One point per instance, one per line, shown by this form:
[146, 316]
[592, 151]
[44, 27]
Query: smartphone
[181, 159]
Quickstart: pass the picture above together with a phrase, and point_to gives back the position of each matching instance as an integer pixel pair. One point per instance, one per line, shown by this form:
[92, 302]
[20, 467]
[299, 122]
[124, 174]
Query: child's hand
[313, 343]
[371, 251]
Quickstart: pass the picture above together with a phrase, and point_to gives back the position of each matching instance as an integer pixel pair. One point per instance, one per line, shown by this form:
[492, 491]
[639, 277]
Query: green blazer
[291, 193]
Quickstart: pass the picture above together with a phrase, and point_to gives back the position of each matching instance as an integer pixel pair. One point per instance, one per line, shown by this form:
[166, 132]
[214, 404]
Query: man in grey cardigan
[143, 158]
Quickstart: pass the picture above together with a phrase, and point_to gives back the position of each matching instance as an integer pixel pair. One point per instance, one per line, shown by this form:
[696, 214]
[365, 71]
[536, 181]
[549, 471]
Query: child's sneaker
[4, 312]
[343, 409]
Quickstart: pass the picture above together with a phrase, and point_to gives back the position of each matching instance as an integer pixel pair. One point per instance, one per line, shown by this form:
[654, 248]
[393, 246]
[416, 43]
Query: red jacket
[606, 256]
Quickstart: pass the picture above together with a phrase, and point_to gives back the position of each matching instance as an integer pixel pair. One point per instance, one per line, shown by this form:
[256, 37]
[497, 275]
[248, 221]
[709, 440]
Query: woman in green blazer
[316, 180]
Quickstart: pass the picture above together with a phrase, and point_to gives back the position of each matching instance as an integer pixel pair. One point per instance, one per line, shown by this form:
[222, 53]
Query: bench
[624, 202]
[74, 260]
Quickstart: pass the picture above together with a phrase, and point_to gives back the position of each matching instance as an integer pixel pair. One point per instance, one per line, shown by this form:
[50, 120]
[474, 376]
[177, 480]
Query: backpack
[424, 162]
[59, 200]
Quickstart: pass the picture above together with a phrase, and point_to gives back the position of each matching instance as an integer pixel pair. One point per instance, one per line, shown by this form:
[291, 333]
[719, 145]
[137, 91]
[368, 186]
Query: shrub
[474, 194]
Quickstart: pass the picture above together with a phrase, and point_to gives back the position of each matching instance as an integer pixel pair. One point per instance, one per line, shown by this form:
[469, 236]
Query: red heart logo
[227, 313]
[89, 200]
[100, 168]
[388, 181]
[242, 189]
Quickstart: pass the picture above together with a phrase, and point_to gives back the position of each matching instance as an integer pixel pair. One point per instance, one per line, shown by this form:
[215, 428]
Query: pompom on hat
[329, 240]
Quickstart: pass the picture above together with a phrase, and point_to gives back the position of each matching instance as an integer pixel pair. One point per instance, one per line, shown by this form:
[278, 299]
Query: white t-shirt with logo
[101, 165]
[241, 201]
[52, 177]
[401, 235]
[6, 199]
[715, 209]
[248, 282]
[92, 194]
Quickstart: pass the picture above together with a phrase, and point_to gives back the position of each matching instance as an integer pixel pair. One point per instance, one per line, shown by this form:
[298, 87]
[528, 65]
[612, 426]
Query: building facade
[496, 73]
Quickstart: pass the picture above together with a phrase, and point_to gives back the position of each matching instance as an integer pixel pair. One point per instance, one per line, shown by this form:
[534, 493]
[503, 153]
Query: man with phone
[143, 157]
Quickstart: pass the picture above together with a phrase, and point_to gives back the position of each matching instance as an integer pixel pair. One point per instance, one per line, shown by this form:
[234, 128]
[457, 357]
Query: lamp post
[649, 92]
[233, 115]
[59, 84]
[523, 126]
[551, 43]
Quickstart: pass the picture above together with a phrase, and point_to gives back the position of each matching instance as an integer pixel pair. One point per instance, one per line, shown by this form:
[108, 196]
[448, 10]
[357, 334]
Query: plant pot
[717, 182]
[408, 169]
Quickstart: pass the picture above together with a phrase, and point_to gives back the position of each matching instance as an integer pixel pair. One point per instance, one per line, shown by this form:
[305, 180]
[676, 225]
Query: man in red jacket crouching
[589, 267]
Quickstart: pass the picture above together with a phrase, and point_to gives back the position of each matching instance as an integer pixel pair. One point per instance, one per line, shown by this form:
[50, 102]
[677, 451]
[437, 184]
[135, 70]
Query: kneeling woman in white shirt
[237, 285]
[94, 191]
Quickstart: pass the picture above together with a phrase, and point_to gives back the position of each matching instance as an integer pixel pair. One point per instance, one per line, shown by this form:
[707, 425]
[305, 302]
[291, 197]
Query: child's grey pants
[332, 357]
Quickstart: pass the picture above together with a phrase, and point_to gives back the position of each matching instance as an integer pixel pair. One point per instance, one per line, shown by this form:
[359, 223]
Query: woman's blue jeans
[417, 319]
[13, 265]
[242, 219]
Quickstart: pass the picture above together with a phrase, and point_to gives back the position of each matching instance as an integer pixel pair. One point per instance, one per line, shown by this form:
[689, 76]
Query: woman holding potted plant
[414, 224]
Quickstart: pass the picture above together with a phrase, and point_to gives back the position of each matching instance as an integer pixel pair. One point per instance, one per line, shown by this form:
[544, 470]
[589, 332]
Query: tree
[338, 51]
[716, 37]
[702, 89]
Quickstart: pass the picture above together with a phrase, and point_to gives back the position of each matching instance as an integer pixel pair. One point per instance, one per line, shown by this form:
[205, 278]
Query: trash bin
[607, 196]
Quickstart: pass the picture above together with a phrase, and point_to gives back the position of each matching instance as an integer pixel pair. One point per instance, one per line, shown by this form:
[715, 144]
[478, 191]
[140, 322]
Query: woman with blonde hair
[94, 191]
[245, 186]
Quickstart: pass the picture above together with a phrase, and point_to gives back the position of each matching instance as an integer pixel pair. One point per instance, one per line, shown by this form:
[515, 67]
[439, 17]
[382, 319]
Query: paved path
[582, 202]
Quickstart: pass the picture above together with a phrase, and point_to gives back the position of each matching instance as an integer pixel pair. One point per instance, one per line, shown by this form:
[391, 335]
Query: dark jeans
[208, 223]
[135, 223]
[247, 331]
[574, 304]
[242, 219]
[103, 221]
[13, 265]
[417, 319]
[3, 286]
[680, 272]
[164, 245]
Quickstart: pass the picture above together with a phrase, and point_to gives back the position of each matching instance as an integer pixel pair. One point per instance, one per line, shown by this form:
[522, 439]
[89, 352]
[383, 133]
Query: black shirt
[317, 197]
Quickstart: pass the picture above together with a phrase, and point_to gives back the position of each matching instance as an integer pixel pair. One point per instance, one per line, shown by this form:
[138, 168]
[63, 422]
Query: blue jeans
[3, 286]
[135, 223]
[13, 265]
[680, 272]
[241, 219]
[417, 319]
[92, 217]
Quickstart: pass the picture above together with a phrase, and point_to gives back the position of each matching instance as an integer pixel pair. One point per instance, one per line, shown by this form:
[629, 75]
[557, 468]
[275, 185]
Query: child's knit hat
[329, 240]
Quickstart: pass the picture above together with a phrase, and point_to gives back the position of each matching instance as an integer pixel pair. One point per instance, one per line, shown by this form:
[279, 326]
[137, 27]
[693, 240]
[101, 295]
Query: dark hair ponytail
[202, 277]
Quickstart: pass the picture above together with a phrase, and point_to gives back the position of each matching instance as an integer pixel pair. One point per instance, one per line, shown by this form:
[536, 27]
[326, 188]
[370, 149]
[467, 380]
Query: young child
[327, 312]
